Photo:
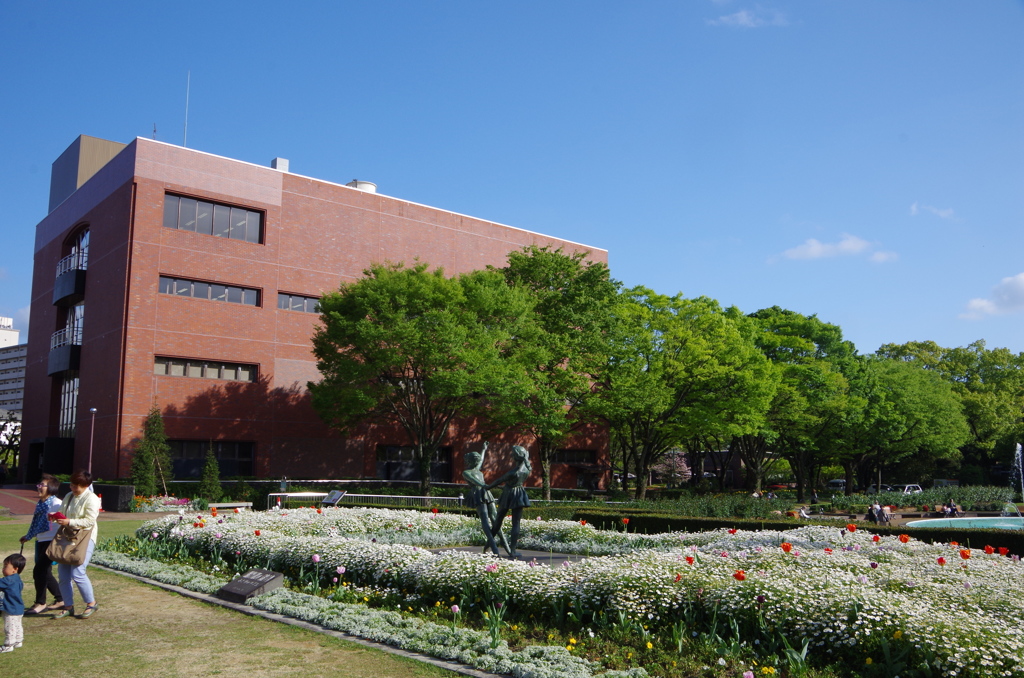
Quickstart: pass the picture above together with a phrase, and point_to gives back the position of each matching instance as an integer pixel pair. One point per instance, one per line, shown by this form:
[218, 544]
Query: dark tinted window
[208, 218]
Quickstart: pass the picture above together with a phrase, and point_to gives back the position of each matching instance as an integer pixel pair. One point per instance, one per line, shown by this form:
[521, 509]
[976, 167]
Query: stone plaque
[252, 583]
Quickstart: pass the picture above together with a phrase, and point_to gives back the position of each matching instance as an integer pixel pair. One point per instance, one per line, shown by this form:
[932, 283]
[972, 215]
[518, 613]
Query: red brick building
[168, 276]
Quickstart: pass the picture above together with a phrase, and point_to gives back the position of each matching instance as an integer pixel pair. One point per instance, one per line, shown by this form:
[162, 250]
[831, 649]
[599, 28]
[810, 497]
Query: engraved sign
[252, 583]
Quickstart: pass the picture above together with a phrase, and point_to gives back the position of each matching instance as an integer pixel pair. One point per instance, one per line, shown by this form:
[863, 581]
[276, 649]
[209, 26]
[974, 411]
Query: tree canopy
[412, 347]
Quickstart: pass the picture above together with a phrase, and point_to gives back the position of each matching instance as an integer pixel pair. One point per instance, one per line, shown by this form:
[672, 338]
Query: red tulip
[828, 550]
[583, 523]
[1003, 551]
[257, 533]
[875, 538]
[965, 553]
[954, 543]
[941, 561]
[625, 521]
[740, 575]
[678, 577]
[733, 531]
[904, 538]
[433, 510]
[989, 550]
[786, 546]
[851, 527]
[689, 560]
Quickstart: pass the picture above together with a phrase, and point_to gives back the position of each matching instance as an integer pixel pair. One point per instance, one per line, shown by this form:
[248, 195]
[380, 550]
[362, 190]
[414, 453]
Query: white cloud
[747, 18]
[815, 249]
[883, 257]
[944, 213]
[848, 246]
[1006, 297]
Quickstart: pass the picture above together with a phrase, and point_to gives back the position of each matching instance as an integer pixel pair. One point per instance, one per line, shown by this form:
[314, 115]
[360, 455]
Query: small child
[13, 606]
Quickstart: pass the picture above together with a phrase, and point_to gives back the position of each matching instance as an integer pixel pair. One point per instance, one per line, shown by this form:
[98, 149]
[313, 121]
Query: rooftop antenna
[188, 85]
[154, 131]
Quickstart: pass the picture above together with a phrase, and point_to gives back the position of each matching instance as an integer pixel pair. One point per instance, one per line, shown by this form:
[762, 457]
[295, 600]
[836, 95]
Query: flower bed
[852, 596]
[161, 503]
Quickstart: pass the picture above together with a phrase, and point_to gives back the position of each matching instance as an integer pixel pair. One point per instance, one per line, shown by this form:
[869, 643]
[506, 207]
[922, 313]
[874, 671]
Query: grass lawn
[141, 630]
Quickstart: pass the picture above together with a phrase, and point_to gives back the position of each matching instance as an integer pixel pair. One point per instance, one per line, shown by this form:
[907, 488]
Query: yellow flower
[629, 656]
[897, 635]
[437, 604]
[515, 627]
[550, 636]
[868, 661]
[486, 616]
[410, 609]
[770, 670]
[569, 648]
[572, 641]
[365, 599]
[650, 645]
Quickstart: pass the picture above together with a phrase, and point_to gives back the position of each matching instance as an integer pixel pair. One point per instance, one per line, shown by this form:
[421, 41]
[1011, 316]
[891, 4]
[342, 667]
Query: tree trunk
[424, 458]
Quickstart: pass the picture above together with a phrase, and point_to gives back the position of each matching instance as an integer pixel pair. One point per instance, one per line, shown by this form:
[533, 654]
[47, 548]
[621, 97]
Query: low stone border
[280, 618]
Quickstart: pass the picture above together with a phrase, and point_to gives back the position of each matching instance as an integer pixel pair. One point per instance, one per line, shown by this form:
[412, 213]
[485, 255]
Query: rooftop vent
[367, 186]
[279, 164]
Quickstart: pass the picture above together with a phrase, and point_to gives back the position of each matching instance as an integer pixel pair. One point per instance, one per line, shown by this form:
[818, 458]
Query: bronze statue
[481, 499]
[513, 496]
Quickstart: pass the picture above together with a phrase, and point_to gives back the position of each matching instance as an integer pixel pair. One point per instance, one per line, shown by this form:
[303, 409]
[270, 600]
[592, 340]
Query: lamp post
[92, 431]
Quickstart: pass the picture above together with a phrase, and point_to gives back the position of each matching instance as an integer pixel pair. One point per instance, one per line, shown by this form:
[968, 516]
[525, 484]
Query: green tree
[807, 355]
[571, 299]
[678, 368]
[209, 483]
[897, 410]
[990, 385]
[153, 455]
[10, 441]
[413, 348]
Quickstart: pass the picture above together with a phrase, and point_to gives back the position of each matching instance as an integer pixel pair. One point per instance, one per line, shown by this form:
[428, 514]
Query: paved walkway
[21, 500]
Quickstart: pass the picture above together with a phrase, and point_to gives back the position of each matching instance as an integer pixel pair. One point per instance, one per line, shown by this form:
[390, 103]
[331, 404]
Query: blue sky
[859, 161]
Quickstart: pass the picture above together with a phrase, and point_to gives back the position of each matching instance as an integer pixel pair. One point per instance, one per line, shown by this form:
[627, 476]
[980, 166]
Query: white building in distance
[12, 369]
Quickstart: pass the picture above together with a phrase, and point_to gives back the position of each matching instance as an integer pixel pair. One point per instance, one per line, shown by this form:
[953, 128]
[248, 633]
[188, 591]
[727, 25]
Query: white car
[908, 489]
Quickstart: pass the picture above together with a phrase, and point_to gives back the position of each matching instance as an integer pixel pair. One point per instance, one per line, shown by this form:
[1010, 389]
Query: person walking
[12, 604]
[81, 508]
[43, 530]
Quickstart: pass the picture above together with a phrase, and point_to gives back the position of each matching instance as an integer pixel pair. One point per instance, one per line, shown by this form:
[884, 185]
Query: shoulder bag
[69, 545]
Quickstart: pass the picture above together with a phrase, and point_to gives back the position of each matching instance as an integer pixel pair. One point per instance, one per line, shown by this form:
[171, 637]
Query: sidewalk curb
[455, 667]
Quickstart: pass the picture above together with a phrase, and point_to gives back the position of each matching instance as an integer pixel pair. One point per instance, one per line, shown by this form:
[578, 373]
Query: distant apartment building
[166, 276]
[12, 369]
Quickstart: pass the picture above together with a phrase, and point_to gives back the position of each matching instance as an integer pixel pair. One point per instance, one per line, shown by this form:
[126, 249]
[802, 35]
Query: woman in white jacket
[81, 508]
[43, 530]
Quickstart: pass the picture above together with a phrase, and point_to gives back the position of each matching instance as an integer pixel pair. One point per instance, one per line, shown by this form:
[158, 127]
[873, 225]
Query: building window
[203, 369]
[68, 405]
[209, 218]
[296, 302]
[396, 462]
[234, 458]
[575, 457]
[183, 287]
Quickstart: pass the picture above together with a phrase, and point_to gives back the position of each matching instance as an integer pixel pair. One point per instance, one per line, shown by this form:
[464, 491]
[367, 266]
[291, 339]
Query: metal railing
[76, 260]
[285, 499]
[400, 500]
[69, 336]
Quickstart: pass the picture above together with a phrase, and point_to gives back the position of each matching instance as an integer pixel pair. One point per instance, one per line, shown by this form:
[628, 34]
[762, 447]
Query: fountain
[1011, 518]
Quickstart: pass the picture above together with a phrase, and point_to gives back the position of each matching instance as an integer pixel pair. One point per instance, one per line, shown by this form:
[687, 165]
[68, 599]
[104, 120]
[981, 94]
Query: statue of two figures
[513, 497]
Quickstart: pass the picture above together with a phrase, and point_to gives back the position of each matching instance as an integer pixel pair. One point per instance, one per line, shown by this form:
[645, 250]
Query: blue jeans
[76, 574]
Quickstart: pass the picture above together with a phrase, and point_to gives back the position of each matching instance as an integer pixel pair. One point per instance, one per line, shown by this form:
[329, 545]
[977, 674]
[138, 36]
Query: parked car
[885, 488]
[908, 489]
[837, 485]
